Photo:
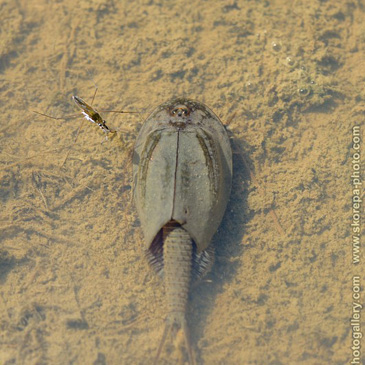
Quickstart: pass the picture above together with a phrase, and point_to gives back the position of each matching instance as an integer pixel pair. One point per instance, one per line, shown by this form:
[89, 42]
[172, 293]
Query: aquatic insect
[91, 114]
[182, 169]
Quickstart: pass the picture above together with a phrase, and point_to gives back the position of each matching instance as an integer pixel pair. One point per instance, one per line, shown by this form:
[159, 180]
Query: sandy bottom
[288, 78]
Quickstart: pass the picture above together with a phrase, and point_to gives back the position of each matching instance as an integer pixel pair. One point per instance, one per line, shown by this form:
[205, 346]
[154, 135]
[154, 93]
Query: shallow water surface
[75, 287]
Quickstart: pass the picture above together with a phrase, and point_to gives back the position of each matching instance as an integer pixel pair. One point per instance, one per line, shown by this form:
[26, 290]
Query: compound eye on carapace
[180, 111]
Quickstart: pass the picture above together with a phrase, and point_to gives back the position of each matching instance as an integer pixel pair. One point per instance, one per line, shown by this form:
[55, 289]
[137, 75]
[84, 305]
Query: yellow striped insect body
[92, 114]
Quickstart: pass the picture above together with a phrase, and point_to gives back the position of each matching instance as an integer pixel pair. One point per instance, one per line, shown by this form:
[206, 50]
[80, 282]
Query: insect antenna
[91, 114]
[56, 118]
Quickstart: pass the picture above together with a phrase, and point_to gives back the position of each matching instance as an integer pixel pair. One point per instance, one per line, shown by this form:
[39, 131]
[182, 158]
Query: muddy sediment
[74, 284]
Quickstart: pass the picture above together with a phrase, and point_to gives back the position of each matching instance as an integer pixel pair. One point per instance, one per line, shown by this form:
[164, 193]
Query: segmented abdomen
[177, 257]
